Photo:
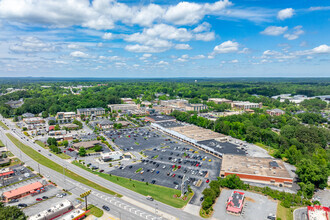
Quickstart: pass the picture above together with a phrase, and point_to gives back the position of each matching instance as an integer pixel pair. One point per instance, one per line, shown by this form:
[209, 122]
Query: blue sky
[108, 38]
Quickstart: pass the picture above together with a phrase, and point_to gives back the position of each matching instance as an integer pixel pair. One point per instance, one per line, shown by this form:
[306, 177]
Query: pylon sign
[85, 194]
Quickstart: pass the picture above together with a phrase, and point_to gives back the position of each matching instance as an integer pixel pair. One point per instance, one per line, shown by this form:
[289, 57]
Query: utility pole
[39, 168]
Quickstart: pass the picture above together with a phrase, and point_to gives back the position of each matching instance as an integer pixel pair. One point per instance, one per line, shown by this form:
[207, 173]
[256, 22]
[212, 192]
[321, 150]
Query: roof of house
[235, 202]
[86, 144]
[90, 109]
[276, 110]
[24, 189]
[28, 115]
[161, 117]
[105, 122]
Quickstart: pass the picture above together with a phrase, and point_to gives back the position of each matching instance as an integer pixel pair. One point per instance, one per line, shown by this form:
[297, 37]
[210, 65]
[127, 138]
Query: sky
[164, 38]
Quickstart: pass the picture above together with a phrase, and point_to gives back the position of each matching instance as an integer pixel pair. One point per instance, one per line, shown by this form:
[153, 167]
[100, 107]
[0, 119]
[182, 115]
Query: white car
[59, 196]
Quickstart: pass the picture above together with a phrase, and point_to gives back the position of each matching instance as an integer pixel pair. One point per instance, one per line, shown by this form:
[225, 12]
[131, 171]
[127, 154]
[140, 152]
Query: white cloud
[201, 56]
[162, 62]
[321, 49]
[74, 46]
[107, 36]
[137, 48]
[205, 36]
[274, 30]
[145, 56]
[285, 13]
[319, 8]
[245, 50]
[147, 15]
[226, 47]
[31, 45]
[295, 34]
[79, 54]
[182, 47]
[186, 13]
[234, 61]
[202, 27]
[168, 32]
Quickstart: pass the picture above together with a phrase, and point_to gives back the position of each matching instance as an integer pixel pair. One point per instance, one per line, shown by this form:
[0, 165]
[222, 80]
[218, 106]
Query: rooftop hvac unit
[256, 172]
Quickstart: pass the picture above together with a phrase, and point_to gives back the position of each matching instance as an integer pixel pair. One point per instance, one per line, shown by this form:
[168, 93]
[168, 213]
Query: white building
[114, 155]
[54, 211]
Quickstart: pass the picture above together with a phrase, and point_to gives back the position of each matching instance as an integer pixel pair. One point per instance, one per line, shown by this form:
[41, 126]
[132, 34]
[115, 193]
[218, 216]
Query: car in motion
[106, 208]
[150, 198]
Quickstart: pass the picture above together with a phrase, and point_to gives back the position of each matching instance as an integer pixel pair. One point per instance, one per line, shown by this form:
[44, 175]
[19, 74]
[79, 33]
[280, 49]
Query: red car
[70, 149]
[207, 181]
[179, 167]
[173, 166]
[38, 199]
[197, 165]
[173, 175]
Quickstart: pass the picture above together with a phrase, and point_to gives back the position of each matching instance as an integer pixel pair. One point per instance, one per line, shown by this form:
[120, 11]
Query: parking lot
[20, 173]
[255, 206]
[50, 192]
[168, 162]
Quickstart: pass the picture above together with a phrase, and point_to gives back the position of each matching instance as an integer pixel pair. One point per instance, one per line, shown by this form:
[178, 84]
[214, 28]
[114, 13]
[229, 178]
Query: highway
[130, 197]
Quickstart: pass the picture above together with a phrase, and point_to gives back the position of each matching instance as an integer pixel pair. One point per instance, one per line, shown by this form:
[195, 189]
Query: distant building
[259, 170]
[123, 107]
[159, 118]
[245, 105]
[275, 112]
[86, 144]
[55, 211]
[114, 155]
[123, 123]
[146, 103]
[105, 124]
[56, 133]
[219, 100]
[175, 103]
[64, 116]
[195, 107]
[127, 100]
[163, 109]
[33, 188]
[235, 203]
[34, 120]
[318, 212]
[90, 111]
[28, 115]
[15, 104]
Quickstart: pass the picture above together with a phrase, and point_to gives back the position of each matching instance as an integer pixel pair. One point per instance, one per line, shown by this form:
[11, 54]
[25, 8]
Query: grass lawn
[1, 144]
[160, 193]
[41, 144]
[284, 213]
[270, 150]
[58, 168]
[63, 156]
[93, 210]
[3, 125]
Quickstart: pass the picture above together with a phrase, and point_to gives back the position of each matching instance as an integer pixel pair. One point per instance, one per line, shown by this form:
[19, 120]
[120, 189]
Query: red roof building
[7, 174]
[235, 203]
[318, 212]
[51, 128]
[32, 188]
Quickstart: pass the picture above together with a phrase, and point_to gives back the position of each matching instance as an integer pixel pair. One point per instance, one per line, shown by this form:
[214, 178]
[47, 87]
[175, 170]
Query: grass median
[54, 166]
[160, 193]
[3, 125]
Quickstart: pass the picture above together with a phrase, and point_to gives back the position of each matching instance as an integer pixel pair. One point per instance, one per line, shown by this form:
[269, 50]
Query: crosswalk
[115, 201]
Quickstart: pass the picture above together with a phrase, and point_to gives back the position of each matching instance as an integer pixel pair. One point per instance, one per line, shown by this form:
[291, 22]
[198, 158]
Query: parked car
[106, 208]
[150, 198]
[13, 201]
[38, 199]
[22, 205]
[45, 197]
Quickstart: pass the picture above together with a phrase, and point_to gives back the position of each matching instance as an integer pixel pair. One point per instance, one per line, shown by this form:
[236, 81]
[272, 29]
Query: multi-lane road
[131, 206]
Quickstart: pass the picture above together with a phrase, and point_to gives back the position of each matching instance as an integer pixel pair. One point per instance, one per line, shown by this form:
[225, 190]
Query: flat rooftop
[159, 118]
[197, 133]
[170, 124]
[254, 166]
[223, 147]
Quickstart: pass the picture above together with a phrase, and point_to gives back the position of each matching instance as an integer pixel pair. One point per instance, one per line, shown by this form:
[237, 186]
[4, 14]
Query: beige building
[195, 107]
[258, 170]
[245, 105]
[90, 111]
[123, 107]
[219, 100]
[176, 103]
[65, 115]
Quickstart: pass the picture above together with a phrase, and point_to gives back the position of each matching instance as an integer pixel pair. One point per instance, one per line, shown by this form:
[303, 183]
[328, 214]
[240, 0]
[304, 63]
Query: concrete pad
[192, 209]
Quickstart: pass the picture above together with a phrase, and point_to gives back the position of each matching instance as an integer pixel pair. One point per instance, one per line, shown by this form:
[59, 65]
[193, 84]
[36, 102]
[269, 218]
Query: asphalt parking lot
[168, 162]
[21, 173]
[136, 139]
[256, 206]
[50, 192]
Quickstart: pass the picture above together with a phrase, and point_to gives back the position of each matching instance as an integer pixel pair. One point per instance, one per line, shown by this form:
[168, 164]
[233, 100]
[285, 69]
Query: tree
[82, 152]
[97, 148]
[51, 122]
[66, 143]
[44, 114]
[11, 213]
[310, 172]
[57, 128]
[52, 141]
[232, 182]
